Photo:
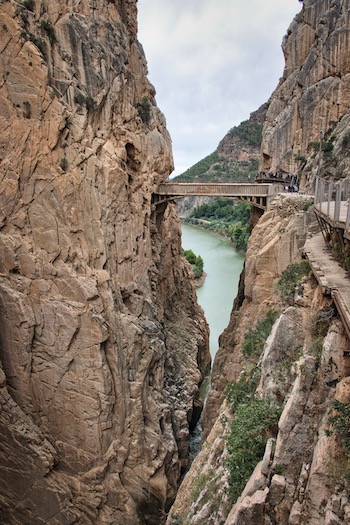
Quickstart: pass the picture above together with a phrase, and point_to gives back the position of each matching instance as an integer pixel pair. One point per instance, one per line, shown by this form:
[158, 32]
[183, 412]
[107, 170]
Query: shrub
[144, 109]
[29, 4]
[239, 236]
[64, 163]
[49, 30]
[326, 147]
[255, 421]
[346, 140]
[243, 389]
[290, 279]
[341, 423]
[255, 338]
[300, 158]
[89, 102]
[198, 485]
[195, 261]
[27, 109]
[39, 43]
[84, 100]
[176, 519]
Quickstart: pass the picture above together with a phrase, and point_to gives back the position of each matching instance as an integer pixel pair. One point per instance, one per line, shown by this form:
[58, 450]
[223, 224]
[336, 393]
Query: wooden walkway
[332, 210]
[257, 194]
[331, 277]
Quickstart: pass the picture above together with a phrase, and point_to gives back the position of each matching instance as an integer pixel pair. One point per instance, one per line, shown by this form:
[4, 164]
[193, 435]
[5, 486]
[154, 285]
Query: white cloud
[212, 63]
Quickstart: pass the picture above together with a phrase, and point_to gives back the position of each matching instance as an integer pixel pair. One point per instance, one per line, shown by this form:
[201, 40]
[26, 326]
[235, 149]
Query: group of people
[291, 182]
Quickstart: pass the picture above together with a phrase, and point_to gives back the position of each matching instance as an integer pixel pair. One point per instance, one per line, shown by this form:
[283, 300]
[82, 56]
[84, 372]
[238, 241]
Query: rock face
[102, 346]
[314, 93]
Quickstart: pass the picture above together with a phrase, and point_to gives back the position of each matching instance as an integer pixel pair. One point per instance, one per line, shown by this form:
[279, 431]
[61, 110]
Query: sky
[212, 63]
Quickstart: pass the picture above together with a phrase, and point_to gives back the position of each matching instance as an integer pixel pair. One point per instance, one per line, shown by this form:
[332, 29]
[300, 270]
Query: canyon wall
[313, 95]
[102, 345]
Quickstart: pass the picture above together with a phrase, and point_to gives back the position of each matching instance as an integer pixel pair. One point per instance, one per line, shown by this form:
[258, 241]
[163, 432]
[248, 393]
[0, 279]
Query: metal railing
[332, 200]
[221, 189]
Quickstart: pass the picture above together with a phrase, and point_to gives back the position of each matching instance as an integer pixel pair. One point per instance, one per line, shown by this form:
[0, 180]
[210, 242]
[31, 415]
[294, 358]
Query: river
[223, 266]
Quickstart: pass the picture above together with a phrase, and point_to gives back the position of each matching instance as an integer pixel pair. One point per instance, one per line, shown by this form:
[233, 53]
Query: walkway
[331, 277]
[336, 215]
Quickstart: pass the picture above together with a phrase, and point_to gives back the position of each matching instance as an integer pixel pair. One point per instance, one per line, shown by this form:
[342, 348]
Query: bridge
[257, 194]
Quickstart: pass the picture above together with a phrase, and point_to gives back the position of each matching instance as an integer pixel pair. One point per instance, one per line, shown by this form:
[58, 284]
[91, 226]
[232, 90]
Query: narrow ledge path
[331, 277]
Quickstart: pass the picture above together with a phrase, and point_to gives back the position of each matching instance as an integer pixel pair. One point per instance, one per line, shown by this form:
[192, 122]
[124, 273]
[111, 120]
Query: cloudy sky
[212, 63]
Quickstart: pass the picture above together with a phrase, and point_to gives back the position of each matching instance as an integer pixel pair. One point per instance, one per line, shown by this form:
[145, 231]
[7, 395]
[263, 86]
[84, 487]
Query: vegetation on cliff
[248, 132]
[255, 338]
[290, 281]
[255, 419]
[226, 217]
[254, 422]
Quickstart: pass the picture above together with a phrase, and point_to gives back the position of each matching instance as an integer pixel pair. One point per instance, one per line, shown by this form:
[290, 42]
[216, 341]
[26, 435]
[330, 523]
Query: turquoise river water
[223, 266]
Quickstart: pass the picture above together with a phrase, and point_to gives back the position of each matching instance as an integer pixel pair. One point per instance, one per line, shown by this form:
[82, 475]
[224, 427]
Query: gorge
[103, 347]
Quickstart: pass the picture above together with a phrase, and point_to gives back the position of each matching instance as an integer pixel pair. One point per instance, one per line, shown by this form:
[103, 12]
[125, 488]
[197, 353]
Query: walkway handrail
[219, 189]
[329, 191]
[333, 199]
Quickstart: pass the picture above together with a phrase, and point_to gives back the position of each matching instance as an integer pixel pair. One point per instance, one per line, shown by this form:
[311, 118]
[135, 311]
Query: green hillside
[225, 164]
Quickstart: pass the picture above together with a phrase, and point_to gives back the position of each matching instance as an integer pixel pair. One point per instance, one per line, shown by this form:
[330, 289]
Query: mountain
[237, 156]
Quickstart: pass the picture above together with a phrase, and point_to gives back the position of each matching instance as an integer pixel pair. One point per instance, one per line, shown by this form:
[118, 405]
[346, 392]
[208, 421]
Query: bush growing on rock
[340, 422]
[144, 109]
[47, 26]
[290, 281]
[254, 423]
[28, 4]
[255, 338]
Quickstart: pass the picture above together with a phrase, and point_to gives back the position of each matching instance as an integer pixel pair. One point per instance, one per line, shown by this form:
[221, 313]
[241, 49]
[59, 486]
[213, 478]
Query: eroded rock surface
[313, 93]
[102, 345]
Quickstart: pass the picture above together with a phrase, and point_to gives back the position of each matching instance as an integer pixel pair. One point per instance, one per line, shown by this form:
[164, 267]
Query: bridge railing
[278, 176]
[222, 189]
[332, 199]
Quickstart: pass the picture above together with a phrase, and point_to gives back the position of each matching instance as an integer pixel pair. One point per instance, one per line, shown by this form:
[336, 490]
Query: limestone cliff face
[314, 93]
[102, 345]
[299, 480]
